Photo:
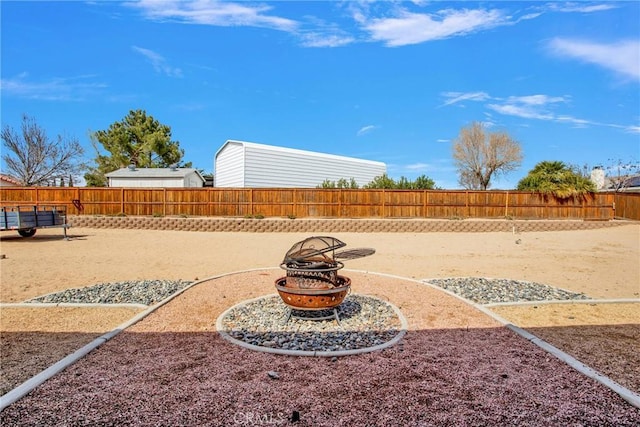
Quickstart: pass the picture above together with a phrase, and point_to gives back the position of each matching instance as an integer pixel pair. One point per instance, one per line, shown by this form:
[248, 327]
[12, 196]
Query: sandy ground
[602, 263]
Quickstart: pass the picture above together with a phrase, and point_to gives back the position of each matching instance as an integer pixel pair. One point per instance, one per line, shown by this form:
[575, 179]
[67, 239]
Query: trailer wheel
[27, 232]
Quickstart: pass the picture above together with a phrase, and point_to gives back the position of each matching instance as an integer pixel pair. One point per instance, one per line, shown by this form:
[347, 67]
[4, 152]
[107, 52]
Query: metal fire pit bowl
[312, 281]
[313, 299]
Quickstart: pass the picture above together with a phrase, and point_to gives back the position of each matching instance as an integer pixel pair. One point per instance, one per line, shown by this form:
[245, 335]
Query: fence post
[426, 205]
[466, 202]
[164, 202]
[209, 202]
[122, 200]
[613, 206]
[506, 204]
[295, 202]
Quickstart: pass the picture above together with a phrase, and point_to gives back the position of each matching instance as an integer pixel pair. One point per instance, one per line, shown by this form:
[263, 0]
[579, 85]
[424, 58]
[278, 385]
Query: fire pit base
[366, 324]
[301, 316]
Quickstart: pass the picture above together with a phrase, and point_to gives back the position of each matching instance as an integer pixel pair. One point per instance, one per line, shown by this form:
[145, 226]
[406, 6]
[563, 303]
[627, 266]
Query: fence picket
[338, 203]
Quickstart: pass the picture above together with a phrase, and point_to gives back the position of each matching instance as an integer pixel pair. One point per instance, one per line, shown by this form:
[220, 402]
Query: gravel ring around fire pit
[263, 324]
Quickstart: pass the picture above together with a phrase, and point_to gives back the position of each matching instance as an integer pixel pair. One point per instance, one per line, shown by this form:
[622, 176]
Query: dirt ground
[602, 263]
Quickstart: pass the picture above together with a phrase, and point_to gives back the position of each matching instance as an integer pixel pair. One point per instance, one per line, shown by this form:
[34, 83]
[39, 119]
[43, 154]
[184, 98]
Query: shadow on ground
[483, 376]
[25, 354]
[586, 343]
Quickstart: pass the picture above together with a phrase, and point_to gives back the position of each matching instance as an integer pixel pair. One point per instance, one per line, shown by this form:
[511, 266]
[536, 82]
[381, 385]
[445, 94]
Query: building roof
[133, 173]
[632, 182]
[622, 183]
[9, 179]
[296, 151]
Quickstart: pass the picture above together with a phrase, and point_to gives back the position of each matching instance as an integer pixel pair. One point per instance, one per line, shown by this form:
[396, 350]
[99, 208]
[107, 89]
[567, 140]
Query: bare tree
[480, 155]
[33, 159]
[621, 173]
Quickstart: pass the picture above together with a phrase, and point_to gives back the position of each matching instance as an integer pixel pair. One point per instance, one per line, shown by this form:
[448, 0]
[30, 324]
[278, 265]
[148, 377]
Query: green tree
[558, 179]
[403, 184]
[327, 183]
[382, 181]
[34, 159]
[138, 139]
[481, 155]
[341, 183]
[351, 183]
[423, 182]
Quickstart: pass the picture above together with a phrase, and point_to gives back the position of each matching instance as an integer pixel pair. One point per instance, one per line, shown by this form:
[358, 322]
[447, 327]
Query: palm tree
[557, 178]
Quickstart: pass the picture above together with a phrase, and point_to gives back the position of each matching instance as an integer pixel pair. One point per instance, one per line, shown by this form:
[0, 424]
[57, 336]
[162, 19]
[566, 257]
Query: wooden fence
[627, 205]
[332, 203]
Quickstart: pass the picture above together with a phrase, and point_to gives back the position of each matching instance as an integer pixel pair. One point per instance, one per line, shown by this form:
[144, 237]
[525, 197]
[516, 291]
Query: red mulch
[450, 377]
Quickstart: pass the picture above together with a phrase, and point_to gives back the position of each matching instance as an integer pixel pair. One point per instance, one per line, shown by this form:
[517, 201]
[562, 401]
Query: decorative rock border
[484, 290]
[366, 324]
[326, 225]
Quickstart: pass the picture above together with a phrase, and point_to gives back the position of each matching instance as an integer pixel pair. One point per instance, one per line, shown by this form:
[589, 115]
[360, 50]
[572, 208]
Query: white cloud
[529, 16]
[437, 167]
[539, 112]
[574, 121]
[402, 25]
[536, 99]
[580, 7]
[158, 62]
[411, 28]
[196, 106]
[536, 107]
[54, 89]
[455, 97]
[528, 107]
[366, 129]
[240, 14]
[315, 39]
[216, 13]
[622, 57]
[418, 167]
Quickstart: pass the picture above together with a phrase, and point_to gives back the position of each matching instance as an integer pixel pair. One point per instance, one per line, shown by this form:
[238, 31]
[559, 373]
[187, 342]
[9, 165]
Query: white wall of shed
[193, 180]
[178, 182]
[229, 166]
[275, 168]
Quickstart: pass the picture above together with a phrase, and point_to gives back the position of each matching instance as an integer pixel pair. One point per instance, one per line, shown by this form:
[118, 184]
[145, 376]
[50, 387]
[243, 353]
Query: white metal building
[250, 165]
[155, 177]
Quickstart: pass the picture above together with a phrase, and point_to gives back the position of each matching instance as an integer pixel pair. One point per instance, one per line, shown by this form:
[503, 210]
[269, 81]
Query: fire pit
[312, 282]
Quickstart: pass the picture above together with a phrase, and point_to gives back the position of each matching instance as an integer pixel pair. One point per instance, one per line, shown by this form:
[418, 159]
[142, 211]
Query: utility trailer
[27, 219]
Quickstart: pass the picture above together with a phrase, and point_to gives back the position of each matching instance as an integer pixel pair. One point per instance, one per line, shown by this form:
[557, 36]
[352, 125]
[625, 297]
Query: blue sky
[387, 81]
